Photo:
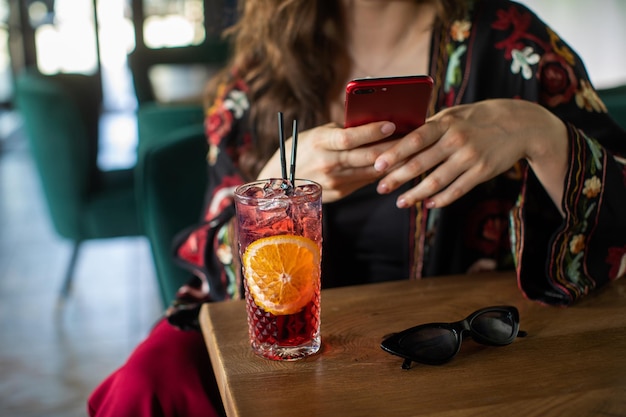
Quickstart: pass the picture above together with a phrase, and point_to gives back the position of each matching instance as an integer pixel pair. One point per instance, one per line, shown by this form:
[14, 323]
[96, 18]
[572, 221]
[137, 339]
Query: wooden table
[572, 363]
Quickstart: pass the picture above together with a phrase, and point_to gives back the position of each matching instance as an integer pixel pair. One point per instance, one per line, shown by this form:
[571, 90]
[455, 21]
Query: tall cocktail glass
[280, 240]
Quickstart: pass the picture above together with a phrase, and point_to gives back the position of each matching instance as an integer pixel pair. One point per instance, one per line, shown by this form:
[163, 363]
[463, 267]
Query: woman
[518, 166]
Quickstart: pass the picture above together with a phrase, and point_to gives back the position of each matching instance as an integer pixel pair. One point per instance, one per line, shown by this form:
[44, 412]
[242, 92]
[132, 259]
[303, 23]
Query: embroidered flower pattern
[522, 61]
[454, 75]
[456, 49]
[518, 25]
[552, 63]
[592, 187]
[587, 98]
[218, 122]
[553, 67]
[544, 61]
[577, 244]
[211, 156]
[228, 106]
[460, 30]
[222, 196]
[237, 102]
[224, 254]
[559, 48]
[558, 81]
[583, 219]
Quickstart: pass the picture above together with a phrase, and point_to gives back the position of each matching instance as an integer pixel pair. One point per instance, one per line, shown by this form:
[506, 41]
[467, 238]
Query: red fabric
[168, 374]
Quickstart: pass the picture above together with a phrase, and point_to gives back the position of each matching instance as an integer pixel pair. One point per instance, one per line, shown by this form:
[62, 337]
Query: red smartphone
[401, 100]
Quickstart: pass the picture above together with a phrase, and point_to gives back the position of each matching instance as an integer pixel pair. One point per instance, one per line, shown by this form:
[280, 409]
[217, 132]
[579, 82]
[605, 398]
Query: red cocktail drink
[280, 238]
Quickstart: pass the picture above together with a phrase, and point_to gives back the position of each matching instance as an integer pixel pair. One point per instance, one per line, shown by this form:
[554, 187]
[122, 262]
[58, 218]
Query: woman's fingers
[410, 157]
[444, 185]
[329, 149]
[351, 138]
[341, 160]
[363, 156]
[454, 150]
[459, 148]
[413, 143]
[345, 182]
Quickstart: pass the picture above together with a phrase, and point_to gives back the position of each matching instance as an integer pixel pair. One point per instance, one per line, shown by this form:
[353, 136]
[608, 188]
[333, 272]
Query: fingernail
[388, 128]
[429, 204]
[382, 188]
[401, 203]
[380, 165]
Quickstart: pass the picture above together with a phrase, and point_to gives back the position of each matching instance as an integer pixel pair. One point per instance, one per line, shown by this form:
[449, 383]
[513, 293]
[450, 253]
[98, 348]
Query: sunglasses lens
[431, 344]
[498, 327]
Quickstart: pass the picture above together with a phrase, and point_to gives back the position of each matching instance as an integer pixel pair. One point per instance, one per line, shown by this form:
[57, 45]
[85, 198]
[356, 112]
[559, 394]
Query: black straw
[294, 145]
[281, 142]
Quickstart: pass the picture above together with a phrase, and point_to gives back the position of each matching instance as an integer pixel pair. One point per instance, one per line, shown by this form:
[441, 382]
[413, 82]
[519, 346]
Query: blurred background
[68, 318]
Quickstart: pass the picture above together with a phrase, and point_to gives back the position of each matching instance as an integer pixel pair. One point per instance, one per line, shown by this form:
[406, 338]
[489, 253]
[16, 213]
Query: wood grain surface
[572, 363]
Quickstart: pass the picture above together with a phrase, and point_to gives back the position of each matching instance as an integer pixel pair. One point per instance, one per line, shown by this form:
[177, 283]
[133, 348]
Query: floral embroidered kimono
[502, 50]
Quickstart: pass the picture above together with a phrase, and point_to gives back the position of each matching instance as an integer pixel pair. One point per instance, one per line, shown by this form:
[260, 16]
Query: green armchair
[159, 197]
[171, 181]
[615, 100]
[60, 114]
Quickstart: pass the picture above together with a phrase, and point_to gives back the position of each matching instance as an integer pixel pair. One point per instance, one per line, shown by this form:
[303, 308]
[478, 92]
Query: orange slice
[281, 272]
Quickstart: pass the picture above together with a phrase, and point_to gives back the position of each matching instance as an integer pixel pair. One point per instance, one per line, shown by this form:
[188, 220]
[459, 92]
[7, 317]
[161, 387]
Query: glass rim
[297, 181]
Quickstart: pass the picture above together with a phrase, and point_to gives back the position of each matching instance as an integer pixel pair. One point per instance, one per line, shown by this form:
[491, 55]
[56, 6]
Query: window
[172, 23]
[65, 36]
[6, 80]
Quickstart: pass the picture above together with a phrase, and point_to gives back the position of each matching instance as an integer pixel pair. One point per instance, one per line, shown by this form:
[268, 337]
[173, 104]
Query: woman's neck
[385, 36]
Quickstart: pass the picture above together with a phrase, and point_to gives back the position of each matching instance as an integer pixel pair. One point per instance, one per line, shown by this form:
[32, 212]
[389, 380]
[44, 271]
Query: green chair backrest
[170, 182]
[62, 133]
[615, 100]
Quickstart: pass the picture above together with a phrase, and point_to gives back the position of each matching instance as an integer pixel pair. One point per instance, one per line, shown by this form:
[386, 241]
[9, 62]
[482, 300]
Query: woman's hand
[340, 160]
[469, 144]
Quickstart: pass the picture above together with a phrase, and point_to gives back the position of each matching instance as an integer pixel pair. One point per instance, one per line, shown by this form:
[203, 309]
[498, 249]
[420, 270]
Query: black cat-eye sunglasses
[437, 343]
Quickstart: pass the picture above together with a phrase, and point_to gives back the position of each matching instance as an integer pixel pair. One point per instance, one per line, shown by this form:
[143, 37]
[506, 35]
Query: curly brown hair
[292, 56]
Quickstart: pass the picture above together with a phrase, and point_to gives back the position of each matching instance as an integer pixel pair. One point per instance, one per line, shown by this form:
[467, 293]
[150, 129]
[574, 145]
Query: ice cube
[306, 189]
[277, 188]
[253, 192]
[274, 204]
